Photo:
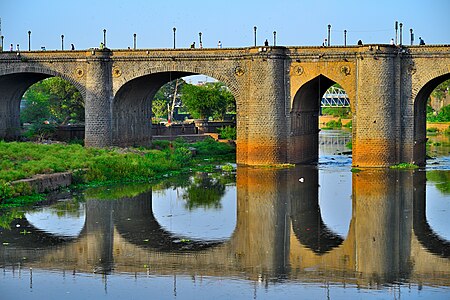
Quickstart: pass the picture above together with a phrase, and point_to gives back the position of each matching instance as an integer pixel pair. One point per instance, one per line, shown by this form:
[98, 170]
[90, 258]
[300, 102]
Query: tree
[209, 100]
[164, 97]
[53, 99]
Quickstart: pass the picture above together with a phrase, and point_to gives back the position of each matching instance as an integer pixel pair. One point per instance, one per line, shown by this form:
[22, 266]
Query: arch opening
[422, 111]
[158, 98]
[319, 104]
[31, 98]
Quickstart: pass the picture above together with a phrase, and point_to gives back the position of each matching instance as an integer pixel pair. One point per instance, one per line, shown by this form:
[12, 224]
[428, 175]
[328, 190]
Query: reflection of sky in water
[335, 181]
[67, 224]
[171, 212]
[335, 201]
[438, 211]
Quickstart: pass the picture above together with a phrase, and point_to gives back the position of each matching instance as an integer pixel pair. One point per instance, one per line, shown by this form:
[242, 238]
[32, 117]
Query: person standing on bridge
[421, 42]
[392, 42]
[102, 46]
[266, 43]
[11, 47]
[72, 46]
[219, 44]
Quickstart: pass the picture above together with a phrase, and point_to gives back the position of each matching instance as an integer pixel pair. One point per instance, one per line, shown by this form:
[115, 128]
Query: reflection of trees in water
[205, 191]
[442, 180]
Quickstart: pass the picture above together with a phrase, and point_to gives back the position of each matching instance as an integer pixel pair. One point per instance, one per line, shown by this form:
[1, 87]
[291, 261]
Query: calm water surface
[310, 232]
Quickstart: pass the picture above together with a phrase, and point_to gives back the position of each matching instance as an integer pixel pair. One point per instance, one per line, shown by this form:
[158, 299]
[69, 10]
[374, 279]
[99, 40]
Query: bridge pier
[262, 136]
[99, 99]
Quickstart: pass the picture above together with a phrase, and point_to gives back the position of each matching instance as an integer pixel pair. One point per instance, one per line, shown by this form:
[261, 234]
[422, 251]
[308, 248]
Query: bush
[227, 133]
[333, 124]
[41, 130]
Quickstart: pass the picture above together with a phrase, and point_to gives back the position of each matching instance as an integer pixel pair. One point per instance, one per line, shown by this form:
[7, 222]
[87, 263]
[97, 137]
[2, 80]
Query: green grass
[404, 166]
[93, 165]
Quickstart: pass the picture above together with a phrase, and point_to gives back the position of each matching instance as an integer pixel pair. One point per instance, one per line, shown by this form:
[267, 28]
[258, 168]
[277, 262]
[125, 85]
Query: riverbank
[22, 162]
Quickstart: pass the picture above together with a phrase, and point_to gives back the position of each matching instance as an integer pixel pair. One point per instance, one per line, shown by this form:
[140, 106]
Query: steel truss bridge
[335, 97]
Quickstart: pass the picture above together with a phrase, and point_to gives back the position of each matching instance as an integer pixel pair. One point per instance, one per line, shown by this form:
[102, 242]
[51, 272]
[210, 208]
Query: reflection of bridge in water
[279, 234]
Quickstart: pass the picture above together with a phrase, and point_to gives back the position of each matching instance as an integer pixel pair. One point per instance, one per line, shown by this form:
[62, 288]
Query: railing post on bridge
[396, 32]
[29, 40]
[345, 38]
[412, 36]
[174, 30]
[401, 25]
[2, 37]
[62, 42]
[329, 34]
[134, 41]
[104, 38]
[274, 38]
[254, 30]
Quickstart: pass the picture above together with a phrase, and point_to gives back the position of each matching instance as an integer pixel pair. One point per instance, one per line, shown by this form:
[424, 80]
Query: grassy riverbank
[93, 165]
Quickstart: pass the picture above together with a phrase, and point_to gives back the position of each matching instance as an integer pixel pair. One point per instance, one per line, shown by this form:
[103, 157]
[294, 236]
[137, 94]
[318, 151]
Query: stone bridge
[279, 233]
[277, 91]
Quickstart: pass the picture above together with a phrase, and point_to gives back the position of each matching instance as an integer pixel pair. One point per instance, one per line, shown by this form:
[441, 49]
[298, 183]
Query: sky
[297, 22]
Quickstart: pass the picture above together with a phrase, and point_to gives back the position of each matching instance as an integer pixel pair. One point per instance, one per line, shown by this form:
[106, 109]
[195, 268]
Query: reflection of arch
[307, 222]
[420, 107]
[24, 235]
[134, 220]
[423, 231]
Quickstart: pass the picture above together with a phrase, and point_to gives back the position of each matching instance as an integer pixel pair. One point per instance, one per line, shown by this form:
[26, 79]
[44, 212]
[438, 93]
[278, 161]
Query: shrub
[227, 133]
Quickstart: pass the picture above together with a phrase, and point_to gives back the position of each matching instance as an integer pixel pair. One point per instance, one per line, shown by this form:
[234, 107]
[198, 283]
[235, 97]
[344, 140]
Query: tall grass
[23, 160]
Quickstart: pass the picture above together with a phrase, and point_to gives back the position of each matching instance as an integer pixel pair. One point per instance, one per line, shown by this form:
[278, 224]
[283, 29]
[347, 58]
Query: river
[313, 232]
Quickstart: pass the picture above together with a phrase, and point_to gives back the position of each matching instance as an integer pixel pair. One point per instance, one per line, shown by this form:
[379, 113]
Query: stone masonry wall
[387, 87]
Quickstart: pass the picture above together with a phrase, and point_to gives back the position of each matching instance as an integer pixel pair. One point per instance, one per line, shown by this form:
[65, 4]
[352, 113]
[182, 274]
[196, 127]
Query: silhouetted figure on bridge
[219, 44]
[360, 43]
[72, 46]
[266, 43]
[421, 42]
[193, 45]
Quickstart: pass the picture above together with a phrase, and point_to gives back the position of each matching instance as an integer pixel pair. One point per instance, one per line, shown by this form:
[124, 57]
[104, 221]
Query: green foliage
[432, 130]
[339, 112]
[441, 90]
[442, 116]
[40, 130]
[333, 124]
[209, 147]
[53, 99]
[7, 216]
[349, 145]
[227, 133]
[209, 100]
[23, 160]
[349, 124]
[164, 97]
[404, 166]
[447, 131]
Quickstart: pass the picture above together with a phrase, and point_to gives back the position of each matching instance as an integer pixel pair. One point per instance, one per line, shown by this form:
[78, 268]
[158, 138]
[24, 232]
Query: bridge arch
[304, 117]
[14, 82]
[420, 106]
[132, 104]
